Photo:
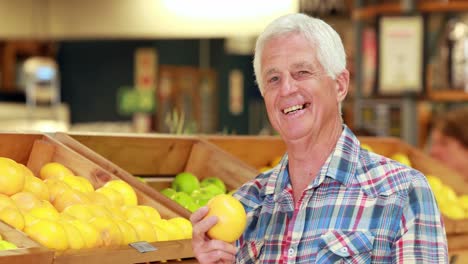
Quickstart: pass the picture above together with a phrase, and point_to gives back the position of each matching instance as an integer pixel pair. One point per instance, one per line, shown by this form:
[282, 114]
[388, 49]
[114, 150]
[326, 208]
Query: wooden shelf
[448, 96]
[424, 7]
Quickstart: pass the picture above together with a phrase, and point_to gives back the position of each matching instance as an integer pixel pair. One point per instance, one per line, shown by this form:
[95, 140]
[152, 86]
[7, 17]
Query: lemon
[402, 158]
[54, 170]
[48, 233]
[231, 218]
[35, 185]
[91, 236]
[11, 177]
[151, 213]
[129, 234]
[13, 217]
[125, 189]
[108, 229]
[114, 196]
[184, 225]
[78, 211]
[74, 237]
[367, 147]
[144, 229]
[25, 200]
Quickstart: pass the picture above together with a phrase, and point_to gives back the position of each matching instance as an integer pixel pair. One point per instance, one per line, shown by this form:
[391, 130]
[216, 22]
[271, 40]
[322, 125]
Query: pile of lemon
[450, 204]
[270, 164]
[62, 211]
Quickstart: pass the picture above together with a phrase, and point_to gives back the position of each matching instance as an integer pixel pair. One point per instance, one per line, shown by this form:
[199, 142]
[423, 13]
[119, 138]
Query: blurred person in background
[449, 140]
[328, 200]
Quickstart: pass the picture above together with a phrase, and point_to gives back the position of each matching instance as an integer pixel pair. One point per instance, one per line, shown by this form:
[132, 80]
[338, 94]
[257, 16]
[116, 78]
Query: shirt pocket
[250, 252]
[342, 246]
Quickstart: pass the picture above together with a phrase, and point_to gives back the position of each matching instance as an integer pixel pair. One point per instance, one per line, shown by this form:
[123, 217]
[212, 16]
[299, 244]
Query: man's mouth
[295, 108]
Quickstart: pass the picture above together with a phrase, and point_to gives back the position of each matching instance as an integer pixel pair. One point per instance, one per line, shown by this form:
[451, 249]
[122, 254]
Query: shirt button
[344, 249]
[291, 252]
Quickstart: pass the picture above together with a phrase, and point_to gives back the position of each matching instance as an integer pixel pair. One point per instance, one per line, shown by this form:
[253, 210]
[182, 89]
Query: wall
[93, 70]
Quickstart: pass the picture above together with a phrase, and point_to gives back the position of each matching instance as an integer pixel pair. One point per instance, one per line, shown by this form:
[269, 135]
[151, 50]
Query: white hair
[330, 51]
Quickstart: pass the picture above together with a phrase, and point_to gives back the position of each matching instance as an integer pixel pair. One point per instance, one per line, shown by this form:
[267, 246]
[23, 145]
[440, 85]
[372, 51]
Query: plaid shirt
[361, 208]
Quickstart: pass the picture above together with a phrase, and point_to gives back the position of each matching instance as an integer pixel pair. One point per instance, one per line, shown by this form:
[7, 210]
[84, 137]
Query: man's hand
[208, 250]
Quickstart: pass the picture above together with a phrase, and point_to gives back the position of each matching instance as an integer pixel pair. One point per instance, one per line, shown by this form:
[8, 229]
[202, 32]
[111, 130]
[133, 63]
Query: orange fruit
[54, 170]
[231, 215]
[11, 177]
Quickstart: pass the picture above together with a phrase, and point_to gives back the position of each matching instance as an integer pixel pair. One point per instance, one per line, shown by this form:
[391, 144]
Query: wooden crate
[160, 156]
[28, 252]
[257, 151]
[34, 150]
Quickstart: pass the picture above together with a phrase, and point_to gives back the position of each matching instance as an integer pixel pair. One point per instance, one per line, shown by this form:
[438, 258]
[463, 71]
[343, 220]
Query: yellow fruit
[79, 211]
[125, 189]
[133, 211]
[231, 218]
[13, 217]
[35, 185]
[446, 196]
[129, 234]
[99, 198]
[435, 183]
[70, 197]
[264, 169]
[45, 212]
[116, 213]
[173, 230]
[6, 201]
[54, 170]
[28, 218]
[25, 200]
[402, 158]
[463, 201]
[367, 147]
[99, 210]
[151, 213]
[74, 237]
[48, 233]
[114, 196]
[11, 177]
[184, 225]
[161, 233]
[56, 188]
[453, 211]
[275, 161]
[108, 229]
[90, 235]
[78, 183]
[144, 229]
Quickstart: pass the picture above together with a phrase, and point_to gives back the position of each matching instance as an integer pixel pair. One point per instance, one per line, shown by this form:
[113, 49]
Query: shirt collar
[340, 165]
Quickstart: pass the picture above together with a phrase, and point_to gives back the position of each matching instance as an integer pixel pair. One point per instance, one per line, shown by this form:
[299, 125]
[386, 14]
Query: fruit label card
[143, 246]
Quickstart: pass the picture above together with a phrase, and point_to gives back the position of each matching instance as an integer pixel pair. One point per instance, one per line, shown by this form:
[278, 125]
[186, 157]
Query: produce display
[270, 164]
[451, 205]
[6, 245]
[188, 191]
[61, 210]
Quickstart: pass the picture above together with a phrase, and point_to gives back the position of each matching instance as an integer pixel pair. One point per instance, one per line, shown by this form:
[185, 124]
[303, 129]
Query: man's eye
[302, 73]
[273, 79]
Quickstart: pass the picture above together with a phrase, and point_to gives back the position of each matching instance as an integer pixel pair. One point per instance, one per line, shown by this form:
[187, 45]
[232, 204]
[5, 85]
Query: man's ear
[342, 85]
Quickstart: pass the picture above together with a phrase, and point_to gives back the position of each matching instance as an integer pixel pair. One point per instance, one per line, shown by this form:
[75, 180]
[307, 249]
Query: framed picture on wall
[400, 55]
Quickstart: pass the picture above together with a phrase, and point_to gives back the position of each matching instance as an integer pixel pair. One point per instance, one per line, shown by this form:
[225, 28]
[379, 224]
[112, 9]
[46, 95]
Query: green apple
[211, 188]
[214, 180]
[183, 199]
[185, 182]
[201, 196]
[169, 192]
[192, 206]
[5, 245]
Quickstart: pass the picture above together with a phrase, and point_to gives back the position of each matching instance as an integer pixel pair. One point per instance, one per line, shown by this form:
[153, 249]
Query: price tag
[143, 246]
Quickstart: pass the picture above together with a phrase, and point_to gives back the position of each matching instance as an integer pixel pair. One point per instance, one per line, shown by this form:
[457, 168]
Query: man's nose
[288, 85]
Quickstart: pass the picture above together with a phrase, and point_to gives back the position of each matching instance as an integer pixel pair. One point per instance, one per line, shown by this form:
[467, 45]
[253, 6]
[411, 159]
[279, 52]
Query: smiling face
[301, 100]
